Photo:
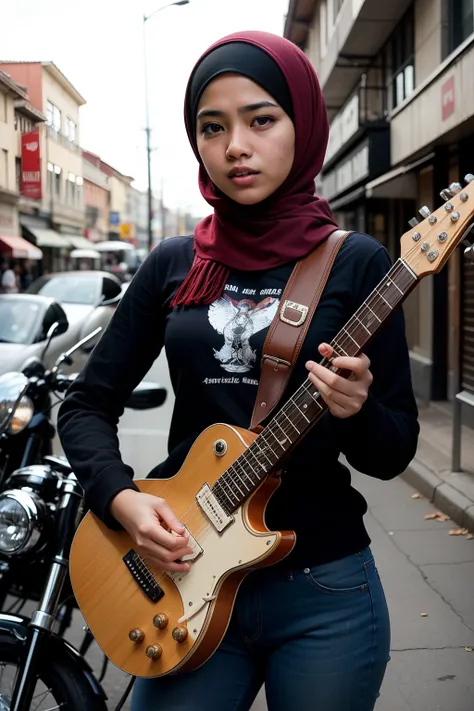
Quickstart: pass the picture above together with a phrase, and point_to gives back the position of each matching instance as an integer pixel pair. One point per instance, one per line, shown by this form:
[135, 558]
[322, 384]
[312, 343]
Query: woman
[315, 628]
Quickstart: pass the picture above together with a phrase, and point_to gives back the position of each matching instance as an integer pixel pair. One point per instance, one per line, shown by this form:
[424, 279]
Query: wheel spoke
[42, 695]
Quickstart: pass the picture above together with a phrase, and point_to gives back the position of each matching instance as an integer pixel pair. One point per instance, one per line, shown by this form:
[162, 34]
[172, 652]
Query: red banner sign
[31, 165]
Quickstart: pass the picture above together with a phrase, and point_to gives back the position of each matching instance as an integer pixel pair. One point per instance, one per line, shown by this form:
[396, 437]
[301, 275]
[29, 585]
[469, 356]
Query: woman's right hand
[156, 531]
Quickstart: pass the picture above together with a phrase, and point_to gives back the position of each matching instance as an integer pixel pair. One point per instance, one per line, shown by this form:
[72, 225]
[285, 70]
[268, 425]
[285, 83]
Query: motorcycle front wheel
[60, 683]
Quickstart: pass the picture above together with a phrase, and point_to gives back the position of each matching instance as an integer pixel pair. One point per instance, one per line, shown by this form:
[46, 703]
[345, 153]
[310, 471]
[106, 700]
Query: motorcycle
[41, 504]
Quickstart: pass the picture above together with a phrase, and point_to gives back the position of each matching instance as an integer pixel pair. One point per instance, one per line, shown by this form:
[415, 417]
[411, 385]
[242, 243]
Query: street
[428, 577]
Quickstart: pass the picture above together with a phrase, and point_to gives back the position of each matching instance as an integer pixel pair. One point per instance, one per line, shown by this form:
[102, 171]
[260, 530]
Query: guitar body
[113, 598]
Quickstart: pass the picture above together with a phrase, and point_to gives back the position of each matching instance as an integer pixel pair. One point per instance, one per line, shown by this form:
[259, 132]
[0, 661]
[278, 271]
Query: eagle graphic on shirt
[237, 321]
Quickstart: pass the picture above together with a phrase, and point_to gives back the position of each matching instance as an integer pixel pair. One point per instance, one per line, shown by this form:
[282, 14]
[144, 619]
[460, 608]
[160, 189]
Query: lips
[241, 172]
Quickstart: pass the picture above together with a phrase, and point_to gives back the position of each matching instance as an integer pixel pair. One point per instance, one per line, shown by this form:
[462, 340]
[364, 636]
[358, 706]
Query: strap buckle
[302, 310]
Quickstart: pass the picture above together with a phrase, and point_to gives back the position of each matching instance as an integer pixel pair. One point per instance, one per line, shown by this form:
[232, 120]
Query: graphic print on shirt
[237, 321]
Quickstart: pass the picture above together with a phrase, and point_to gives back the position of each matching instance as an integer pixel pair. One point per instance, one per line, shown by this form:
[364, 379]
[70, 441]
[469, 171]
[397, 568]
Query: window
[399, 60]
[3, 108]
[461, 22]
[3, 168]
[57, 181]
[71, 130]
[50, 177]
[323, 28]
[79, 189]
[337, 4]
[54, 116]
[71, 188]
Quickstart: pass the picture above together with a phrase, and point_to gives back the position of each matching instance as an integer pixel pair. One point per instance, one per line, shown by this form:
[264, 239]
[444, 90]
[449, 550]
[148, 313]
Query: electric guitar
[149, 622]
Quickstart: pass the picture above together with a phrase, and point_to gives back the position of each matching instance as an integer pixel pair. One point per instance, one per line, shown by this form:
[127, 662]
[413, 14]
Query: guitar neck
[306, 406]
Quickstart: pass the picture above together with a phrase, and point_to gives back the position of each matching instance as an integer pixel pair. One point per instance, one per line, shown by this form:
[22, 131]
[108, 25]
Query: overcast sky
[98, 45]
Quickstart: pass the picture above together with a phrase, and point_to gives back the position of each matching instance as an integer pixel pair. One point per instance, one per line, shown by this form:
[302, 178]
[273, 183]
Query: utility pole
[148, 128]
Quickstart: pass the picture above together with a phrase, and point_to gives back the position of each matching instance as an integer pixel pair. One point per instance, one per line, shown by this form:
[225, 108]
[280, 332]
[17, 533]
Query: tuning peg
[465, 236]
[424, 211]
[413, 222]
[446, 194]
[455, 188]
[469, 178]
[469, 253]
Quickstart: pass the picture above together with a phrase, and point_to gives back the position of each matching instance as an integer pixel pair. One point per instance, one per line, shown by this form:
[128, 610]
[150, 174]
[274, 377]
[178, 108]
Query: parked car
[25, 320]
[79, 292]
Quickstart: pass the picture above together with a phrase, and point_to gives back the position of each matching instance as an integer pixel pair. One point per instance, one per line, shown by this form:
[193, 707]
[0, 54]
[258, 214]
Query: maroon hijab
[287, 225]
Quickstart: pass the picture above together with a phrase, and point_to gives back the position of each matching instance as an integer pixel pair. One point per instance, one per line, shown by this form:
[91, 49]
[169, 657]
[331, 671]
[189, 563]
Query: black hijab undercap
[238, 58]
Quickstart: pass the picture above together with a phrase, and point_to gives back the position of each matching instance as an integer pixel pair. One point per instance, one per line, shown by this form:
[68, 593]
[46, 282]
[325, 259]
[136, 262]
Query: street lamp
[147, 116]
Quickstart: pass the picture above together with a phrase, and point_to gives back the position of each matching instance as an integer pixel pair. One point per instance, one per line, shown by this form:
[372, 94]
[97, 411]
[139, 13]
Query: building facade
[398, 82]
[56, 220]
[17, 117]
[96, 198]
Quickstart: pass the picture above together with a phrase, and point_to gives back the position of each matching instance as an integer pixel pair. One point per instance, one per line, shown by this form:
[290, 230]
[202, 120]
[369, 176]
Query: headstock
[427, 247]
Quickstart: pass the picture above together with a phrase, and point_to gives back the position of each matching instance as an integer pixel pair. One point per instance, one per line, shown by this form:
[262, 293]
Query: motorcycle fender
[17, 627]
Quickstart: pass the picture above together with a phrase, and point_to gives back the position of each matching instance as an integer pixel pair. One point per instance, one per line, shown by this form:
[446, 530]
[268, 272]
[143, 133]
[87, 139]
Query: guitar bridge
[143, 576]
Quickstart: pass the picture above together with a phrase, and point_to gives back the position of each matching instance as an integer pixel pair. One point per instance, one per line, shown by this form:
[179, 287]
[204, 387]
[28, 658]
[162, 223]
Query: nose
[239, 144]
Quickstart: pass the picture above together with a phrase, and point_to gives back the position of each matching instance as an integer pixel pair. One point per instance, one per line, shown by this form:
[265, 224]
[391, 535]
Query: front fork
[43, 620]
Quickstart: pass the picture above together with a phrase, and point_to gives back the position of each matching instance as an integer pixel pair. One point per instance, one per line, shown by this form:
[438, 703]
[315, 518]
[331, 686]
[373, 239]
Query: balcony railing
[63, 140]
[367, 107]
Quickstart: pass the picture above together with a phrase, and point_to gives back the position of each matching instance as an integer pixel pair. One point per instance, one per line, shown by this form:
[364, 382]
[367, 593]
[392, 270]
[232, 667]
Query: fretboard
[306, 406]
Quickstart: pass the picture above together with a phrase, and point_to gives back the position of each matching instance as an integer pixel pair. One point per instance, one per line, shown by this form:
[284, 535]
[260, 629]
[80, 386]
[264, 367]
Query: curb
[449, 500]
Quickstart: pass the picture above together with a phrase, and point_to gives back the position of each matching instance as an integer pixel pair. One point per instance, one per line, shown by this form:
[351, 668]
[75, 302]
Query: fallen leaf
[417, 496]
[458, 532]
[424, 614]
[436, 515]
[469, 649]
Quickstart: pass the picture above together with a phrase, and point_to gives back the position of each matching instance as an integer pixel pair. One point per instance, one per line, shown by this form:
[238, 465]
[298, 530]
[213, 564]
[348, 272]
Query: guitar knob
[154, 651]
[137, 635]
[161, 621]
[180, 633]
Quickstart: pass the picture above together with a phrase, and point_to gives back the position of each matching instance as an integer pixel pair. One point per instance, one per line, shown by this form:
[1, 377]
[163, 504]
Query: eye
[263, 121]
[210, 129]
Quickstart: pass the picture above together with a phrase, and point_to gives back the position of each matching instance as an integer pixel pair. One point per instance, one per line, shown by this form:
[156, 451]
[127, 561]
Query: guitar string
[195, 512]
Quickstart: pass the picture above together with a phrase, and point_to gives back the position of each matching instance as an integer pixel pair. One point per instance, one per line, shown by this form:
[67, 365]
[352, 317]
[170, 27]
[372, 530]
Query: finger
[172, 521]
[152, 530]
[334, 397]
[326, 350]
[331, 380]
[359, 365]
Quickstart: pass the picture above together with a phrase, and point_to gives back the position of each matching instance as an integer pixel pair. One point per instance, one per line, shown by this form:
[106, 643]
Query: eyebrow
[243, 110]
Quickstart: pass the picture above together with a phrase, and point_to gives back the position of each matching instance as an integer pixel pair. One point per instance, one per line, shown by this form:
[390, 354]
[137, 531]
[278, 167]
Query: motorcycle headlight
[22, 516]
[21, 416]
[13, 387]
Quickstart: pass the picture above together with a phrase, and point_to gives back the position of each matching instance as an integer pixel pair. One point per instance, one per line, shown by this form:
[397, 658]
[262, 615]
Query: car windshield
[68, 289]
[18, 320]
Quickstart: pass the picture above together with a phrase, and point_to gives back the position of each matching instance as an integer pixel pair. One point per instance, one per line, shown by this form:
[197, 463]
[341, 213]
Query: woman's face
[245, 139]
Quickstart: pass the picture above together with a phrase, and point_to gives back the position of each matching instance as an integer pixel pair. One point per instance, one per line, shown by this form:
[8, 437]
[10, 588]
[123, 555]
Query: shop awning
[399, 183]
[49, 238]
[79, 242]
[19, 248]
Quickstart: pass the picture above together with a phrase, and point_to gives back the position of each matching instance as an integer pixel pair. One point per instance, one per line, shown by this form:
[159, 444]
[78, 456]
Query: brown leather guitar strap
[289, 327]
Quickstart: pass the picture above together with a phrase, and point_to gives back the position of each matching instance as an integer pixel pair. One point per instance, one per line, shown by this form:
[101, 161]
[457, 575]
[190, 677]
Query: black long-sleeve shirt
[214, 359]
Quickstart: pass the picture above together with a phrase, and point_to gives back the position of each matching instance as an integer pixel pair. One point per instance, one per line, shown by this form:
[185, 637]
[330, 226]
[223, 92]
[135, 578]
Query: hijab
[292, 221]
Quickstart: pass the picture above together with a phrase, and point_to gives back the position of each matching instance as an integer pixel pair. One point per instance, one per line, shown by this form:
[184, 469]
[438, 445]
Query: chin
[249, 197]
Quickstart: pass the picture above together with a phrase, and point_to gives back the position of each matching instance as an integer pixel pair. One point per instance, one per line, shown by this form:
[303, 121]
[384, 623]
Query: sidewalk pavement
[428, 576]
[430, 472]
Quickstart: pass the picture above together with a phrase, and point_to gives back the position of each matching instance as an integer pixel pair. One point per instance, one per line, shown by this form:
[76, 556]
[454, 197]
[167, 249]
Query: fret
[241, 481]
[244, 457]
[291, 423]
[256, 444]
[233, 470]
[280, 444]
[339, 347]
[373, 312]
[352, 339]
[362, 324]
[299, 409]
[284, 433]
[232, 493]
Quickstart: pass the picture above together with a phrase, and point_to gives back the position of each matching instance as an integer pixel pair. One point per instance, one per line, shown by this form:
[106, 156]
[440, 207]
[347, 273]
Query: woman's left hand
[343, 396]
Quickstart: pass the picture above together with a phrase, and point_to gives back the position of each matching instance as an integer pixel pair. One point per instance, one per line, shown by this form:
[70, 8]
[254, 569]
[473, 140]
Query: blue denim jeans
[317, 638]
